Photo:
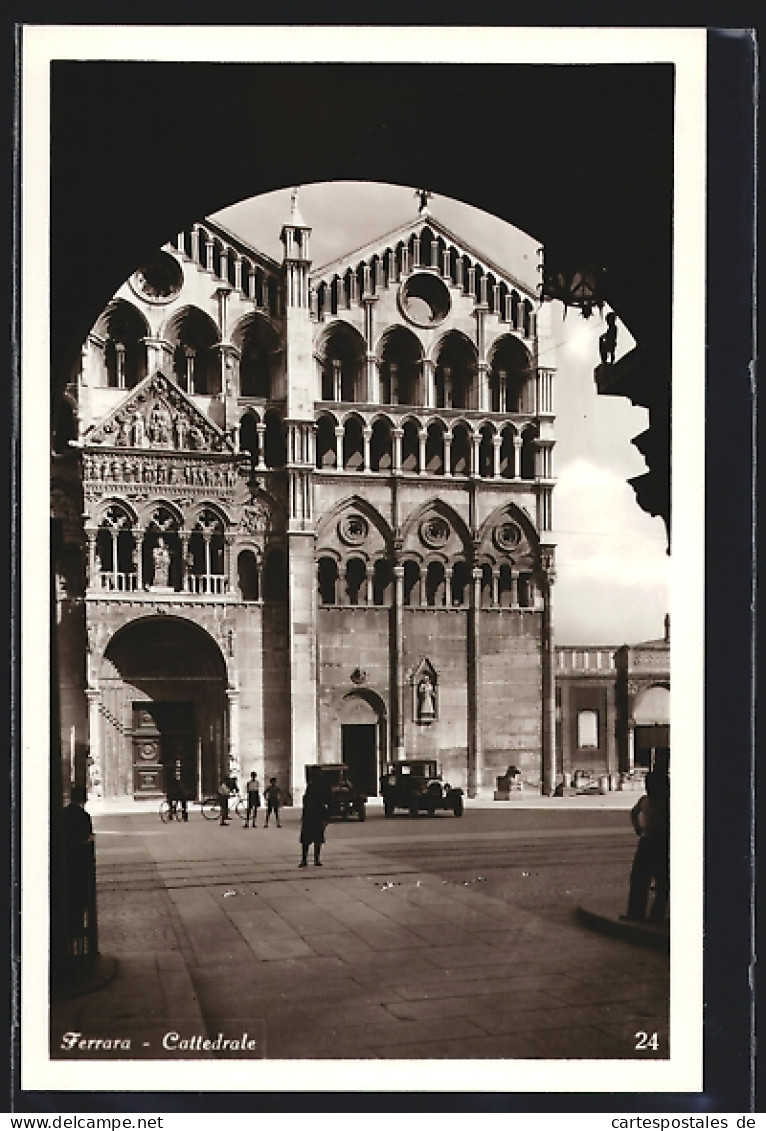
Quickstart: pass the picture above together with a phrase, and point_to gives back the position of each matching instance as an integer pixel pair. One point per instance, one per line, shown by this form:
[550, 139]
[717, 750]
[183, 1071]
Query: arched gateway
[162, 709]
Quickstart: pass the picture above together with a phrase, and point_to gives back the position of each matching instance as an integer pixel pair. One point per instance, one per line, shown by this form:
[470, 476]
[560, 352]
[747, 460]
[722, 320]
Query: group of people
[314, 817]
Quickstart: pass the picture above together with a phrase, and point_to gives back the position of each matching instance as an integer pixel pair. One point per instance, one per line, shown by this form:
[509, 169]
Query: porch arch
[161, 707]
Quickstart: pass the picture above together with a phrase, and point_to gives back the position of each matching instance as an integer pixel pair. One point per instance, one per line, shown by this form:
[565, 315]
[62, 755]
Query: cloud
[612, 566]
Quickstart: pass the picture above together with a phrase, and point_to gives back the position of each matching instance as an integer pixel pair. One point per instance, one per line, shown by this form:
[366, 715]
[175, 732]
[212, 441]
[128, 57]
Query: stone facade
[613, 709]
[316, 518]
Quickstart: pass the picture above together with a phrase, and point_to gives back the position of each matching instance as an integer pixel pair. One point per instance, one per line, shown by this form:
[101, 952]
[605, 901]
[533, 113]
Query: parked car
[416, 785]
[343, 798]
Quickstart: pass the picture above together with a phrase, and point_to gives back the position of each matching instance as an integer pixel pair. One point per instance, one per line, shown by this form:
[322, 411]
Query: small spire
[296, 219]
[423, 196]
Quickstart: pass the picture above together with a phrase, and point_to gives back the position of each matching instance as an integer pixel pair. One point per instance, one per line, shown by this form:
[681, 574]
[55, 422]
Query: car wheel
[361, 812]
[388, 807]
[457, 806]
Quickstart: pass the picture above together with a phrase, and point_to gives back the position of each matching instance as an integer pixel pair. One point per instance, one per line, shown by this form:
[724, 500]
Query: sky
[612, 567]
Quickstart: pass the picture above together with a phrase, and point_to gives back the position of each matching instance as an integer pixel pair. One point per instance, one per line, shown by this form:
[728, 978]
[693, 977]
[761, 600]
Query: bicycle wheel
[211, 810]
[166, 813]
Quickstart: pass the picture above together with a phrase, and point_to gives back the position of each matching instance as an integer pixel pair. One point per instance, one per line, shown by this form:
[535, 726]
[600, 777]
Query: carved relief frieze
[158, 415]
[137, 477]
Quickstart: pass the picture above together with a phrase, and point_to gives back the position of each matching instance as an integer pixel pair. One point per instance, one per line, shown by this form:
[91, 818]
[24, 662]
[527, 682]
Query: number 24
[646, 1041]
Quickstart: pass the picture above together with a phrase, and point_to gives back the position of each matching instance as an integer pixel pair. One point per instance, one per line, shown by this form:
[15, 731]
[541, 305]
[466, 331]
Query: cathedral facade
[304, 515]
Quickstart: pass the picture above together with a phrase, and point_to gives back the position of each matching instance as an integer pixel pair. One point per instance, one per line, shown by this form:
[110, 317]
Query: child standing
[273, 797]
[253, 799]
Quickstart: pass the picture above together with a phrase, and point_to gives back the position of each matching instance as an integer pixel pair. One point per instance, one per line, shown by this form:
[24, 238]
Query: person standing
[79, 872]
[176, 795]
[650, 819]
[223, 800]
[273, 797]
[313, 821]
[253, 799]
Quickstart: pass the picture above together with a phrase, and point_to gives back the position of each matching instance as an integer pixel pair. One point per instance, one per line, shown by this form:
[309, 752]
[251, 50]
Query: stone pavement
[207, 930]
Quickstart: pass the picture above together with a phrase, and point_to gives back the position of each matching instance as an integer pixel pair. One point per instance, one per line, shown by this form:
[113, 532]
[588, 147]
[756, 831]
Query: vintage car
[416, 785]
[342, 797]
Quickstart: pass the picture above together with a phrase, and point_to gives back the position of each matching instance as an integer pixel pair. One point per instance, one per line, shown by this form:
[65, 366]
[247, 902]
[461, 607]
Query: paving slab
[369, 957]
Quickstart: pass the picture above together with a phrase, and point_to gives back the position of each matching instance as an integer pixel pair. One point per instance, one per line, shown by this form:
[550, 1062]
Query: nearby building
[613, 709]
[316, 518]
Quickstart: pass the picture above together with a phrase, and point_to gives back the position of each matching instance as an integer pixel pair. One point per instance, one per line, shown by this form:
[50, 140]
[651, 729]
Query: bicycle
[170, 812]
[211, 807]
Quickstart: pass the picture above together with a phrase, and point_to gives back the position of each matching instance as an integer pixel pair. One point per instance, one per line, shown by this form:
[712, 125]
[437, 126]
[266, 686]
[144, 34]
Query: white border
[686, 48]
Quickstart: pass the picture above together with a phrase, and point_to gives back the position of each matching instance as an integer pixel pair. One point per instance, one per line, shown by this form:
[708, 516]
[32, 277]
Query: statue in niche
[426, 699]
[139, 432]
[161, 558]
[607, 343]
[181, 426]
[160, 425]
[196, 438]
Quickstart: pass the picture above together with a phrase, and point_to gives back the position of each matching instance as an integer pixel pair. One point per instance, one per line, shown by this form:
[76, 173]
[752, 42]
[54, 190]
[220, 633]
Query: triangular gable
[157, 415]
[378, 246]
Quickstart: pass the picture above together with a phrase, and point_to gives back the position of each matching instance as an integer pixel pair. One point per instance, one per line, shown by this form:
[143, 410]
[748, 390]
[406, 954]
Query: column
[369, 578]
[119, 364]
[238, 272]
[337, 381]
[373, 384]
[514, 588]
[397, 434]
[448, 453]
[235, 764]
[475, 454]
[448, 586]
[91, 535]
[93, 695]
[422, 438]
[194, 249]
[518, 444]
[502, 391]
[495, 587]
[416, 251]
[261, 430]
[208, 571]
[549, 689]
[497, 442]
[230, 582]
[338, 447]
[397, 689]
[483, 379]
[186, 571]
[474, 686]
[366, 438]
[430, 383]
[565, 731]
[138, 538]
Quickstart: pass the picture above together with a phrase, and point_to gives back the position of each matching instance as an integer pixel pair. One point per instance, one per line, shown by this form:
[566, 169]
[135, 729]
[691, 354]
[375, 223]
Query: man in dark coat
[313, 821]
[650, 821]
[80, 864]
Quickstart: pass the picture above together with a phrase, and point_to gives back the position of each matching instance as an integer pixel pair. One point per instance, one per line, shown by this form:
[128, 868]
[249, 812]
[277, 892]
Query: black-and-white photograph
[362, 351]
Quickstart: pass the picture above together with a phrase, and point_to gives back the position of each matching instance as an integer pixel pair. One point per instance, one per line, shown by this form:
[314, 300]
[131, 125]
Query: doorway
[359, 747]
